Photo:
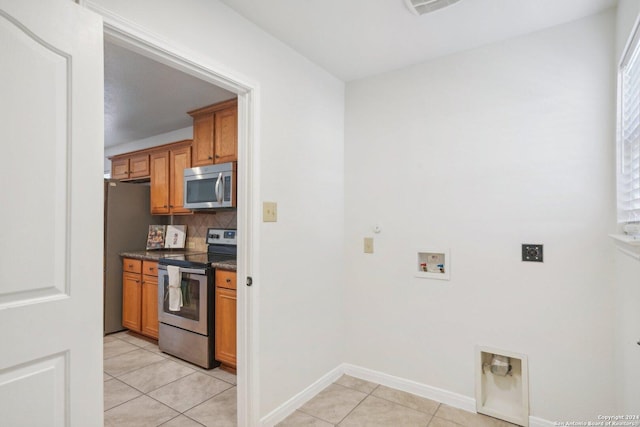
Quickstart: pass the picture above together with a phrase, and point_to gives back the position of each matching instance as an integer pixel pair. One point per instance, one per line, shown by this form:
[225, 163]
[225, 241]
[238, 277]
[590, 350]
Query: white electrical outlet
[368, 245]
[269, 212]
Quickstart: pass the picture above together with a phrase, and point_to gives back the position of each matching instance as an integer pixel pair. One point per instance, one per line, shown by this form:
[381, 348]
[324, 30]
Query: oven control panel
[221, 236]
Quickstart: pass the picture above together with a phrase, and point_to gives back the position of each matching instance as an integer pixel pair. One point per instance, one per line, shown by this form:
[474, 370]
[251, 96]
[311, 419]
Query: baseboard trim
[439, 395]
[288, 407]
[540, 422]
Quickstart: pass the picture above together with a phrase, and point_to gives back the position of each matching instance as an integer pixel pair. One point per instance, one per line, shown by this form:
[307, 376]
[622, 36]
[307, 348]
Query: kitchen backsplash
[198, 223]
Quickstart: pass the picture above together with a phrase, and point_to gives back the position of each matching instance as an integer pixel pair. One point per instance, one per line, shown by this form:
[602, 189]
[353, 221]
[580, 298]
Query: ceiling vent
[420, 7]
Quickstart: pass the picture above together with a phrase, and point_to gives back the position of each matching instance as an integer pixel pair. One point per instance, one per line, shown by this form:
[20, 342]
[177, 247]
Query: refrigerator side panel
[127, 220]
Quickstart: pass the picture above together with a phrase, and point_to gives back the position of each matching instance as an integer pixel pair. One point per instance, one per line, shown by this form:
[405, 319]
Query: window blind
[629, 132]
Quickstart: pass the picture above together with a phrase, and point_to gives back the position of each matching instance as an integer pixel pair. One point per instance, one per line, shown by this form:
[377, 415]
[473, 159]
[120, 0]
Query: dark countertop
[225, 265]
[156, 255]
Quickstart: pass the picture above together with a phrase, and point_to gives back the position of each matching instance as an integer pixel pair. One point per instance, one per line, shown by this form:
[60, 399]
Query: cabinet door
[180, 160]
[225, 279]
[225, 351]
[131, 265]
[139, 166]
[131, 287]
[149, 268]
[226, 136]
[202, 140]
[120, 168]
[160, 183]
[149, 315]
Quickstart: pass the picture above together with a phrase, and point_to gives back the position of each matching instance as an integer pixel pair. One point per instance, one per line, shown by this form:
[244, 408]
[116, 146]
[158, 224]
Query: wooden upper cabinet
[215, 133]
[120, 168]
[139, 166]
[226, 135]
[130, 166]
[160, 183]
[179, 160]
[167, 178]
[203, 140]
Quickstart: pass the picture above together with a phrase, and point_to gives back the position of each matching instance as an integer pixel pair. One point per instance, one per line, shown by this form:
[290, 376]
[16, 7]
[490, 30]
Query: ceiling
[358, 38]
[144, 98]
[349, 38]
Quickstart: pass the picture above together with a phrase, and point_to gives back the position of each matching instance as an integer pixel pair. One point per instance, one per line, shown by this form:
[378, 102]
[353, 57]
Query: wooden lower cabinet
[226, 298]
[140, 297]
[149, 303]
[131, 299]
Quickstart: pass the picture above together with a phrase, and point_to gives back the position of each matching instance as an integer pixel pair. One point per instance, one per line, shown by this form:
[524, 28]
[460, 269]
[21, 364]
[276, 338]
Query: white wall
[479, 152]
[140, 144]
[627, 292]
[300, 133]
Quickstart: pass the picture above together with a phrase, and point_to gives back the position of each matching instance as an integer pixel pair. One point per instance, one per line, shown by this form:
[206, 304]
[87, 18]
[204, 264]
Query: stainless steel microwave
[210, 187]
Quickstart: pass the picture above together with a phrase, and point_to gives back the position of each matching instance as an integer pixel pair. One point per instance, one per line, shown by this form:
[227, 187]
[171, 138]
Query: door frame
[131, 36]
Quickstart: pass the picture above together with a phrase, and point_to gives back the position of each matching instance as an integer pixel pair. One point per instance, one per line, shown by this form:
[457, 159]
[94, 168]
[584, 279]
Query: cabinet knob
[228, 280]
[210, 158]
[130, 265]
[217, 156]
[170, 206]
[164, 206]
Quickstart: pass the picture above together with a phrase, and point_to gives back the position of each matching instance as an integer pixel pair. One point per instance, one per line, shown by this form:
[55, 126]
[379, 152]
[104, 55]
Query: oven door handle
[199, 271]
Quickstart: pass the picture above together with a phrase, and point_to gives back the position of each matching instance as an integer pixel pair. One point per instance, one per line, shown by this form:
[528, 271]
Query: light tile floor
[351, 402]
[145, 387]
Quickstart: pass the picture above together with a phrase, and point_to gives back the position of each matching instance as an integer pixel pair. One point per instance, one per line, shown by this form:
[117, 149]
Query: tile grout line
[121, 354]
[157, 388]
[190, 408]
[354, 408]
[188, 365]
[182, 413]
[122, 403]
[400, 404]
[312, 416]
[164, 404]
[165, 357]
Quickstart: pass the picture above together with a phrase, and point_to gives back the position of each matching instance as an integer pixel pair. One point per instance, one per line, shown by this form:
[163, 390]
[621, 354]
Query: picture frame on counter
[175, 236]
[155, 238]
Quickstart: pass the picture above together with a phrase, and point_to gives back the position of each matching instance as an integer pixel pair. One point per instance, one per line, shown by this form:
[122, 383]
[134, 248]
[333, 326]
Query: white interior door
[51, 128]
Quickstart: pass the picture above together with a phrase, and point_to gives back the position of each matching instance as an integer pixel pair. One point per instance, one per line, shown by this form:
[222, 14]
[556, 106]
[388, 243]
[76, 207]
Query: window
[628, 138]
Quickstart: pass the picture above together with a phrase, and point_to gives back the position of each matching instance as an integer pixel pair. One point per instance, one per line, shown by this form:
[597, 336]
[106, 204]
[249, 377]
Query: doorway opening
[120, 37]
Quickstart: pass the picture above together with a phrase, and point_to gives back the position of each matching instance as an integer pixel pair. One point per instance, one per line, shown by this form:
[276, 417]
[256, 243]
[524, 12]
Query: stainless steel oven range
[186, 299]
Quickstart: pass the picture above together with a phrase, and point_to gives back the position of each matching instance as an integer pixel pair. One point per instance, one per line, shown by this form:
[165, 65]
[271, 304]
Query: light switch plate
[368, 245]
[269, 212]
